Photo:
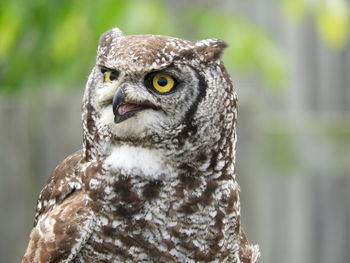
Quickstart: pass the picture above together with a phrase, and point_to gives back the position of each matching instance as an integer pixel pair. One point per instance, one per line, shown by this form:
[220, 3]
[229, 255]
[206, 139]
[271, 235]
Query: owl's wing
[63, 221]
[64, 180]
[248, 252]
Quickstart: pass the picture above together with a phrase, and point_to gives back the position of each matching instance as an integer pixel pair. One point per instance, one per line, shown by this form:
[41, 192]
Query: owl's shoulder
[63, 221]
[62, 232]
[64, 180]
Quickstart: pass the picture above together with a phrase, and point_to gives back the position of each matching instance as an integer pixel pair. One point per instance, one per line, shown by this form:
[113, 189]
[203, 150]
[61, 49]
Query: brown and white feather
[159, 186]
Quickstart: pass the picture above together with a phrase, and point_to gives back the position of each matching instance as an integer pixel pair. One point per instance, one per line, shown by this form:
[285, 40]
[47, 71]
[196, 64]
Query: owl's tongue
[127, 107]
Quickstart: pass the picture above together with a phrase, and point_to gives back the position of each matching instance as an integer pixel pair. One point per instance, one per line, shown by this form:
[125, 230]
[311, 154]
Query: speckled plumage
[159, 186]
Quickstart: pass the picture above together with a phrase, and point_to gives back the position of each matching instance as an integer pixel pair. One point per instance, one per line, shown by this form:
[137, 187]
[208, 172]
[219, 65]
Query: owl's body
[155, 181]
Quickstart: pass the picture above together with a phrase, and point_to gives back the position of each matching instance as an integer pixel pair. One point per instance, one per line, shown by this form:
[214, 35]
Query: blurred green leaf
[251, 48]
[332, 18]
[280, 147]
[10, 23]
[53, 43]
[148, 16]
[297, 9]
[333, 22]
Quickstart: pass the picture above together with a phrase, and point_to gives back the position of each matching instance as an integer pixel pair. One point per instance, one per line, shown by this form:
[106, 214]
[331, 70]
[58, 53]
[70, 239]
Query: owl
[155, 180]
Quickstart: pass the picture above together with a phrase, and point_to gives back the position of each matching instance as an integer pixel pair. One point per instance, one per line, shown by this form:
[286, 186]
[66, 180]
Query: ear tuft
[109, 35]
[210, 49]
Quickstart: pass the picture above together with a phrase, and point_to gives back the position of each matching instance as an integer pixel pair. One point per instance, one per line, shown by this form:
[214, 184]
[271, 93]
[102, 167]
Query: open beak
[123, 110]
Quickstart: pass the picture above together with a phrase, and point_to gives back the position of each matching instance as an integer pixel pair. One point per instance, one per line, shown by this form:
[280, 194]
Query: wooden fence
[300, 215]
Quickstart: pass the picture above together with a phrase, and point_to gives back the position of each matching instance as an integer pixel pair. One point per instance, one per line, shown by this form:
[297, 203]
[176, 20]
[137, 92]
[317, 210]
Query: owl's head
[151, 89]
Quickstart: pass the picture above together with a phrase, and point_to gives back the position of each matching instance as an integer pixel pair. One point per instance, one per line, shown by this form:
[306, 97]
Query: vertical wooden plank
[300, 215]
[329, 89]
[346, 202]
[279, 222]
[4, 178]
[346, 81]
[266, 239]
[330, 227]
[15, 178]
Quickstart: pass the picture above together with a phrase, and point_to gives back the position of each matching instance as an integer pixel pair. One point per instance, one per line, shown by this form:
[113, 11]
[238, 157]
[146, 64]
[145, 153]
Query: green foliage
[53, 43]
[251, 48]
[279, 144]
[332, 18]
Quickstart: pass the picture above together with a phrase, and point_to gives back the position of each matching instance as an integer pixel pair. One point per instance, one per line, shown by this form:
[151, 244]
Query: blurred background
[290, 63]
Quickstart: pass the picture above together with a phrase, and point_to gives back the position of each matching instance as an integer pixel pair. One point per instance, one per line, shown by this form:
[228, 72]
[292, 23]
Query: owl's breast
[185, 219]
[129, 160]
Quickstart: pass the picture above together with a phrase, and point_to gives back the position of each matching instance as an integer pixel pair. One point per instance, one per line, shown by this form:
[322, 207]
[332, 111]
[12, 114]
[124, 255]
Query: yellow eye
[163, 82]
[109, 75]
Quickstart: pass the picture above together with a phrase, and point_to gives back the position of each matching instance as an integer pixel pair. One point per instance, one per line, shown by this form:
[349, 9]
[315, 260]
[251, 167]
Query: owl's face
[144, 102]
[147, 85]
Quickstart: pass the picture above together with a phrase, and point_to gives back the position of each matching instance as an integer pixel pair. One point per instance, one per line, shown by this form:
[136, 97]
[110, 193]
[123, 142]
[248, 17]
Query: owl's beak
[118, 99]
[123, 109]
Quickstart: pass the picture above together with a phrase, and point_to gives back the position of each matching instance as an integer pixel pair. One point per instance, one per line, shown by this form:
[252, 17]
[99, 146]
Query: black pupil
[113, 75]
[162, 81]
